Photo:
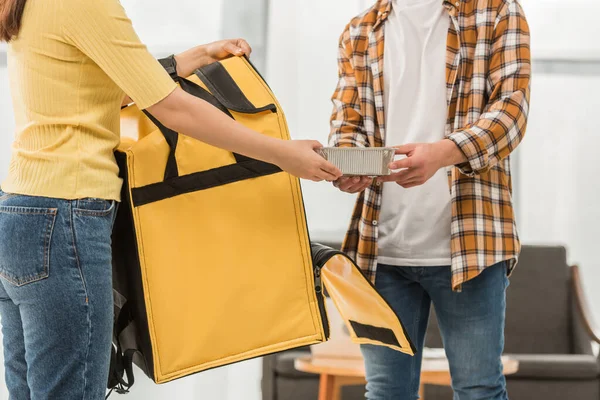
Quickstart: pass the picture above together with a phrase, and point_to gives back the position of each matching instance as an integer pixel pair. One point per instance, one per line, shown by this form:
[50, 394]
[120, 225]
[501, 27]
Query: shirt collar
[385, 6]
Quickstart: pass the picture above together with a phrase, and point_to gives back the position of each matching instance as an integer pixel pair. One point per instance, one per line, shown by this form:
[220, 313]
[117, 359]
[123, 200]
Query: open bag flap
[370, 319]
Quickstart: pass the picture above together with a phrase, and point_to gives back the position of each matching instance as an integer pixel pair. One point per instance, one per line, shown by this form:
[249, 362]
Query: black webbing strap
[121, 363]
[170, 65]
[231, 88]
[198, 91]
[226, 90]
[172, 137]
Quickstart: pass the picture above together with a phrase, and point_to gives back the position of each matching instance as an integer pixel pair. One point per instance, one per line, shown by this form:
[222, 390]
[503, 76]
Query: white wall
[559, 181]
[563, 29]
[302, 70]
[559, 175]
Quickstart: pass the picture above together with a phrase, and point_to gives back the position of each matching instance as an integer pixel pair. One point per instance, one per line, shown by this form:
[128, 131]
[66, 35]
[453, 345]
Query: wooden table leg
[326, 387]
[422, 392]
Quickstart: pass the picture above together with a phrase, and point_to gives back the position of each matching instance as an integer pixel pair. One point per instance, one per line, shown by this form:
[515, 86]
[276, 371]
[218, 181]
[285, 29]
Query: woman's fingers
[328, 176]
[245, 46]
[233, 48]
[331, 170]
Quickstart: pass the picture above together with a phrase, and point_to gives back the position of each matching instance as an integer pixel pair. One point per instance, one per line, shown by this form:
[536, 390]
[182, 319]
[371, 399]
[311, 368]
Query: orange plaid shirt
[488, 69]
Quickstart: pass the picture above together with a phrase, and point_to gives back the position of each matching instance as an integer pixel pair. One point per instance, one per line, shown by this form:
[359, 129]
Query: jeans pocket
[25, 244]
[94, 207]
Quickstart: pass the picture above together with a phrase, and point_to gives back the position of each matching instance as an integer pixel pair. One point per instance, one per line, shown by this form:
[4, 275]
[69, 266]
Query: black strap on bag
[223, 87]
[226, 96]
[121, 363]
[170, 65]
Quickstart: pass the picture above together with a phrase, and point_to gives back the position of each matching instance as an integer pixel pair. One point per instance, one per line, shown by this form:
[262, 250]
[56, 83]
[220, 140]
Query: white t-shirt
[414, 224]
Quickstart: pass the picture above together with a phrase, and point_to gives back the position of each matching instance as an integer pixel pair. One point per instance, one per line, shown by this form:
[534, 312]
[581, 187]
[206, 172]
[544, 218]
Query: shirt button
[378, 183]
[374, 223]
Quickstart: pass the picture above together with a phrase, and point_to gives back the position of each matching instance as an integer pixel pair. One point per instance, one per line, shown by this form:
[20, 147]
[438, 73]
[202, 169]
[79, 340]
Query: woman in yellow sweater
[71, 62]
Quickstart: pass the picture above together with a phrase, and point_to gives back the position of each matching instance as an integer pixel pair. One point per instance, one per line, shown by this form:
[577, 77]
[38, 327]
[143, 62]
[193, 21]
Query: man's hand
[422, 161]
[197, 57]
[354, 184]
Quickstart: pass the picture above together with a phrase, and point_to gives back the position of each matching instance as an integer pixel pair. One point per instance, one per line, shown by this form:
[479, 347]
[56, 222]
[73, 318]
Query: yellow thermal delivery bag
[212, 259]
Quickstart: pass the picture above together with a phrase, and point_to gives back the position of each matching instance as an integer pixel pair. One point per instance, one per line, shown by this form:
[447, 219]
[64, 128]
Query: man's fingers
[340, 182]
[357, 188]
[400, 176]
[353, 184]
[405, 148]
[347, 182]
[393, 177]
[406, 175]
[410, 184]
[401, 164]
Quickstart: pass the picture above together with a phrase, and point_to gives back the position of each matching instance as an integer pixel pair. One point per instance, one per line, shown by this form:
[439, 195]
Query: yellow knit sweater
[69, 68]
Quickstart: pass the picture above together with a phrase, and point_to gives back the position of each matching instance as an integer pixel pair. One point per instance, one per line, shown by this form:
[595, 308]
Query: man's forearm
[448, 153]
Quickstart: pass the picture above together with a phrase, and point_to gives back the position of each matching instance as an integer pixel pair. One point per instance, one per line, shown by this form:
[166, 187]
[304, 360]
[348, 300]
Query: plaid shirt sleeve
[347, 129]
[502, 126]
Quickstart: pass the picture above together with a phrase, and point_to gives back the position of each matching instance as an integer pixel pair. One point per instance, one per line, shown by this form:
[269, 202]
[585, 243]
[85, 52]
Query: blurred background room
[556, 169]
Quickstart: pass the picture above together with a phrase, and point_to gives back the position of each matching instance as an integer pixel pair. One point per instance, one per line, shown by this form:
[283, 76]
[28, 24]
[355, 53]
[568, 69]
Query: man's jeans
[56, 304]
[471, 323]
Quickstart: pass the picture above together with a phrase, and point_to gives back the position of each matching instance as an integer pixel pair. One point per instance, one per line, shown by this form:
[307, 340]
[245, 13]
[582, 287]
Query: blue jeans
[471, 324]
[56, 303]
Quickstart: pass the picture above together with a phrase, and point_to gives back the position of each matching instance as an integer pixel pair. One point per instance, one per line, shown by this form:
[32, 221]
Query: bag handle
[226, 96]
[226, 90]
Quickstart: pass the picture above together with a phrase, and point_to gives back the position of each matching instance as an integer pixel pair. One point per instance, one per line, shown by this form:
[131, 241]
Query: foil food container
[359, 161]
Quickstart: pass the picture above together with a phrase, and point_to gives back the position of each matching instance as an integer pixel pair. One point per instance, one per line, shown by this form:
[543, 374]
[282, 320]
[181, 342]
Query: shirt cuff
[474, 150]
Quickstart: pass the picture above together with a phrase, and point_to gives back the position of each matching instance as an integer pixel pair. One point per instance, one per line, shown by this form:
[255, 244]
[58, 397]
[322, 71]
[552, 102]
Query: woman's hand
[298, 157]
[226, 48]
[197, 57]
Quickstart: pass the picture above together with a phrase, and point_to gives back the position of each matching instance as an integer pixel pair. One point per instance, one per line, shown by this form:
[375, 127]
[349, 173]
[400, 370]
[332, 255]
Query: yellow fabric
[69, 69]
[357, 300]
[226, 272]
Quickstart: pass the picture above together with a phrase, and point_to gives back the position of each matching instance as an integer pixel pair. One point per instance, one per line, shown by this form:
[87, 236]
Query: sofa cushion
[284, 365]
[556, 366]
[538, 303]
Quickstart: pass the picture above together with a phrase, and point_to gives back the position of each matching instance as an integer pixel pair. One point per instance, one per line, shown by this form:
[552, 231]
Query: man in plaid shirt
[448, 84]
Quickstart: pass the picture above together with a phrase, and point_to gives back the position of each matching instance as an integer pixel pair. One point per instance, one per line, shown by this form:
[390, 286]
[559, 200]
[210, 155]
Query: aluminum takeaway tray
[360, 161]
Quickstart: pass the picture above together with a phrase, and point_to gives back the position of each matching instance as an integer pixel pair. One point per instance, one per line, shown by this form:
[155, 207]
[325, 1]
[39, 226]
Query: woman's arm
[194, 117]
[182, 112]
[102, 31]
[199, 56]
